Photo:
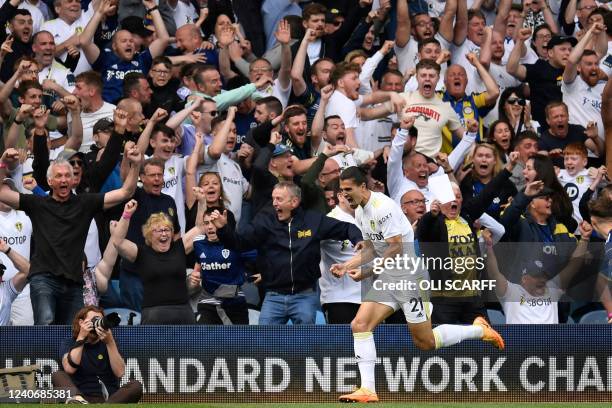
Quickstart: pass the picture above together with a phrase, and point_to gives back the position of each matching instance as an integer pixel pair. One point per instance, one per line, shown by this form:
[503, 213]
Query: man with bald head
[189, 40]
[135, 118]
[467, 106]
[116, 64]
[414, 205]
[53, 75]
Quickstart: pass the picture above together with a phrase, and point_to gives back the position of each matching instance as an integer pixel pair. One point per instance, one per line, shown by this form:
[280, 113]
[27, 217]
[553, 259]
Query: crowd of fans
[181, 158]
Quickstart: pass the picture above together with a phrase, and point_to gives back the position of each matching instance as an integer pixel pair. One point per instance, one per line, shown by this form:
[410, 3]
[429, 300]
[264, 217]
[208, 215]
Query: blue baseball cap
[281, 149]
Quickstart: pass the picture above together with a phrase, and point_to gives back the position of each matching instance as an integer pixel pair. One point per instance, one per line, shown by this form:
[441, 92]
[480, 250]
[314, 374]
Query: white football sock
[449, 334]
[365, 352]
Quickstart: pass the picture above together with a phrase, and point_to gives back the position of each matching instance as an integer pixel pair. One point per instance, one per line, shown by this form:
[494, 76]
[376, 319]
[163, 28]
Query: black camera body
[107, 322]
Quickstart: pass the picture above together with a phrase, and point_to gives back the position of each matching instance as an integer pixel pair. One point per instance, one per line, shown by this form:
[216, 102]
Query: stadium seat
[125, 315]
[496, 317]
[595, 317]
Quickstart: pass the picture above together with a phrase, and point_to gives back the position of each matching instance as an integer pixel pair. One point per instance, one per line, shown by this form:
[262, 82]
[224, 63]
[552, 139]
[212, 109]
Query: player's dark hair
[131, 82]
[426, 41]
[428, 64]
[26, 85]
[354, 173]
[601, 208]
[328, 118]
[272, 104]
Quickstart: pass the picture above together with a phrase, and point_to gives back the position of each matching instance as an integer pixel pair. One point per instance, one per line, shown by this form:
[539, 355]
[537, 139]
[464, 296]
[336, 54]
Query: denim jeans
[301, 308]
[55, 300]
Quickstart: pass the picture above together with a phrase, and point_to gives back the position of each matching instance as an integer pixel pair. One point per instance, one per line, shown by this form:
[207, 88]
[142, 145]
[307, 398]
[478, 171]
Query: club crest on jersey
[171, 170]
[19, 226]
[171, 211]
[373, 225]
[580, 179]
[304, 234]
[225, 253]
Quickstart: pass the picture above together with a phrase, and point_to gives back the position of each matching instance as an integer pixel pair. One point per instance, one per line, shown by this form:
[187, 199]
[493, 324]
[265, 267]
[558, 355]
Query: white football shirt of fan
[59, 73]
[339, 104]
[380, 219]
[408, 57]
[344, 289]
[276, 90]
[234, 184]
[89, 119]
[504, 80]
[184, 13]
[61, 31]
[314, 51]
[8, 293]
[375, 134]
[174, 170]
[575, 187]
[520, 307]
[584, 103]
[16, 231]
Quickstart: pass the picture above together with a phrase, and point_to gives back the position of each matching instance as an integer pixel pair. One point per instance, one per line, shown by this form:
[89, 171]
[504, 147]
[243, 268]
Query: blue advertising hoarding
[316, 363]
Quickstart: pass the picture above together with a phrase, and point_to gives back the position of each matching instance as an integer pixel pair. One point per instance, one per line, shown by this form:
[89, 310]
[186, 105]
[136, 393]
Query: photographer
[91, 358]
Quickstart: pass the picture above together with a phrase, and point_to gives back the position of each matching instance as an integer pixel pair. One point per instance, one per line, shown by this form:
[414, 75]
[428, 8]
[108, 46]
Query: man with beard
[543, 77]
[297, 139]
[560, 133]
[57, 80]
[20, 27]
[527, 146]
[583, 83]
[346, 102]
[116, 64]
[66, 29]
[88, 88]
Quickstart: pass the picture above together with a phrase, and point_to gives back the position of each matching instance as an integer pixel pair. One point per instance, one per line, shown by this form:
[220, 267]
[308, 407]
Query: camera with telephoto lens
[105, 323]
[522, 102]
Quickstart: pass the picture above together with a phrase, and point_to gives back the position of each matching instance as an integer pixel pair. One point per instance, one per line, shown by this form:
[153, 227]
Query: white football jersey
[575, 187]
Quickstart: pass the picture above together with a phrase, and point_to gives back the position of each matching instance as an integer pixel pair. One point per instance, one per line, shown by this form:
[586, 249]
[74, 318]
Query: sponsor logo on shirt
[304, 234]
[536, 302]
[216, 266]
[15, 240]
[572, 190]
[231, 181]
[592, 102]
[424, 113]
[383, 219]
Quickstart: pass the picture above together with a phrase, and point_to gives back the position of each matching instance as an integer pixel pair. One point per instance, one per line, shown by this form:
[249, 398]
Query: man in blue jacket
[289, 239]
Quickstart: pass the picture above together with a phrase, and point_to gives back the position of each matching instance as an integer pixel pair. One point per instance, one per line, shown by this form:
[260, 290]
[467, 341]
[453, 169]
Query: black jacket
[501, 184]
[434, 240]
[291, 251]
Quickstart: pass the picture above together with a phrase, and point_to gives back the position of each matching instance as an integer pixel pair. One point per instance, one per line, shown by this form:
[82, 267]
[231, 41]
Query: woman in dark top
[487, 168]
[501, 134]
[540, 167]
[161, 263]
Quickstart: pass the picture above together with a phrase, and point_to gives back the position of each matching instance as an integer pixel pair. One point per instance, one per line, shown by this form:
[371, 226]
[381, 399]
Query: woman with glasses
[486, 168]
[515, 109]
[161, 263]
